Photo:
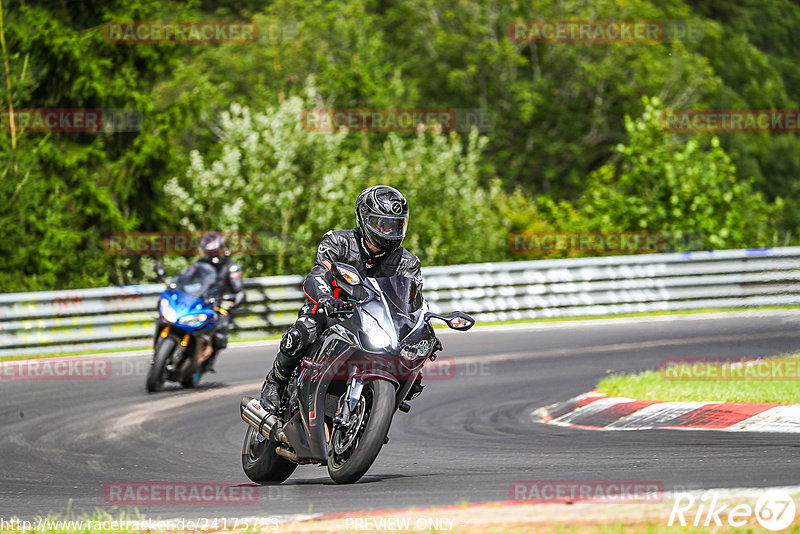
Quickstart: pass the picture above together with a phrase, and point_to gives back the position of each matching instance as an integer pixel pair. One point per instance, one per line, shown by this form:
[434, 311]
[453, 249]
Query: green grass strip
[773, 379]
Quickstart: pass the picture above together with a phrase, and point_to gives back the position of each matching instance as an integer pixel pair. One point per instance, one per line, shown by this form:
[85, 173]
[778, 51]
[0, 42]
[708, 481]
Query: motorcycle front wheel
[353, 450]
[157, 373]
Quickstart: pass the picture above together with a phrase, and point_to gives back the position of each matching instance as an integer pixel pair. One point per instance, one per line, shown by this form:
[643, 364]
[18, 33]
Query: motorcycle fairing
[342, 344]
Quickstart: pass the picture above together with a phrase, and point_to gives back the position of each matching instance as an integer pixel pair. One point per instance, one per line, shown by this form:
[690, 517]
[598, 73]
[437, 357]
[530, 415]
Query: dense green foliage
[575, 142]
[658, 183]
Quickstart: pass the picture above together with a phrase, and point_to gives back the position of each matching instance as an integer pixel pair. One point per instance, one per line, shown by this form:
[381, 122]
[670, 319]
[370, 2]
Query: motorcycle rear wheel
[352, 463]
[260, 461]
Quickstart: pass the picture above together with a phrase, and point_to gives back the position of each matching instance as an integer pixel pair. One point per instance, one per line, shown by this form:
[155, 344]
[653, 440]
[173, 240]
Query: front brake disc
[344, 437]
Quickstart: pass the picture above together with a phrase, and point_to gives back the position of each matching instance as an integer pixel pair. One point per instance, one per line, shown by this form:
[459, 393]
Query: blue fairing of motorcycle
[182, 306]
[184, 311]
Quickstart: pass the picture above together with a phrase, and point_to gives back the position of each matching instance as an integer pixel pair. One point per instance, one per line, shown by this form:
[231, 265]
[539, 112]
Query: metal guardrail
[117, 317]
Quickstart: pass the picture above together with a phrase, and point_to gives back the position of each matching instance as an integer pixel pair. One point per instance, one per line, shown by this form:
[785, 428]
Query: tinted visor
[388, 226]
[211, 245]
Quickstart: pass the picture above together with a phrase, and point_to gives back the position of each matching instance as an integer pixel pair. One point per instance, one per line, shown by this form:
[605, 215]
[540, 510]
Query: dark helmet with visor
[382, 216]
[213, 246]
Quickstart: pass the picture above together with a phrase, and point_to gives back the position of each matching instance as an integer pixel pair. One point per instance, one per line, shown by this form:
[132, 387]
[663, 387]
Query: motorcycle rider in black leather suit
[373, 248]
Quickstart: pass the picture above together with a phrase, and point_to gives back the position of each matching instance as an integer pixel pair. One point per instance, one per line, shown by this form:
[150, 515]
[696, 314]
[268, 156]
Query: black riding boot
[272, 391]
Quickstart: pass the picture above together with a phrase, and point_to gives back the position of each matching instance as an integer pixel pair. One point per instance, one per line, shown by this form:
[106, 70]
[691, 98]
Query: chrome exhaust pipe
[292, 457]
[267, 424]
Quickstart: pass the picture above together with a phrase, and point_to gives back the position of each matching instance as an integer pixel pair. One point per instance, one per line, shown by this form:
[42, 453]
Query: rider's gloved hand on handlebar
[330, 306]
[437, 346]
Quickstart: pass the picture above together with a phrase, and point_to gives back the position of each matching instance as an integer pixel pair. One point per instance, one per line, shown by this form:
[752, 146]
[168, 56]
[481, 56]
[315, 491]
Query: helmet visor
[212, 245]
[388, 226]
[211, 248]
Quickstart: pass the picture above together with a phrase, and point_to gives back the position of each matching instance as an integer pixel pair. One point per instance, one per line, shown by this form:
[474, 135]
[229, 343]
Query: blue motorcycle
[186, 325]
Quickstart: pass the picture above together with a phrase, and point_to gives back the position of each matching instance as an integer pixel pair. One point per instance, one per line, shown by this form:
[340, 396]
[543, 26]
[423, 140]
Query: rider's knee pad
[294, 340]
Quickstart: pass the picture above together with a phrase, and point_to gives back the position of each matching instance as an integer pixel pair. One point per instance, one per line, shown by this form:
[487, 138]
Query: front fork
[351, 397]
[177, 352]
[177, 355]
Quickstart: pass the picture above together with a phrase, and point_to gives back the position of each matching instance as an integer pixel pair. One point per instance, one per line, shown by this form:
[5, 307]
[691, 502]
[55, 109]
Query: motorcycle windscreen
[196, 279]
[398, 290]
[184, 302]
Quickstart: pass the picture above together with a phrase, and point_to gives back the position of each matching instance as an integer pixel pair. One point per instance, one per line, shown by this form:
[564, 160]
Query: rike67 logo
[774, 510]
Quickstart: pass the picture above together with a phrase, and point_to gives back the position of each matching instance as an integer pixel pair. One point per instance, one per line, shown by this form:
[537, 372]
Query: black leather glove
[437, 346]
[331, 306]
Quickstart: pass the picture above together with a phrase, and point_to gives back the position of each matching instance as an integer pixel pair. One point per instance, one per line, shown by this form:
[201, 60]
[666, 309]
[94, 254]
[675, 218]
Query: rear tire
[156, 376]
[260, 461]
[378, 419]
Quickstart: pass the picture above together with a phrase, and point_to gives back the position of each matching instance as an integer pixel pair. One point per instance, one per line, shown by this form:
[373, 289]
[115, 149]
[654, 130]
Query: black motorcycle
[339, 403]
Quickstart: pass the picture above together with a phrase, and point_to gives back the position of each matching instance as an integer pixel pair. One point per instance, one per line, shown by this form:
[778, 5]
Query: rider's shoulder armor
[345, 246]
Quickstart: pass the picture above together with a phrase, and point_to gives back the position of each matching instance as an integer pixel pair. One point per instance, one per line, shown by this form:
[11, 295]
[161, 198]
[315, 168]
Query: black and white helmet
[213, 246]
[382, 216]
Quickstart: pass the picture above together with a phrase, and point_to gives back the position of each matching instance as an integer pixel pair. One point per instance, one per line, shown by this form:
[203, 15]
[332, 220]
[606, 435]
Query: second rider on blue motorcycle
[230, 282]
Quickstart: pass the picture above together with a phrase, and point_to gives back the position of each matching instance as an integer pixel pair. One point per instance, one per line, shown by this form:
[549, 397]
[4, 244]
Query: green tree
[665, 182]
[65, 191]
[289, 186]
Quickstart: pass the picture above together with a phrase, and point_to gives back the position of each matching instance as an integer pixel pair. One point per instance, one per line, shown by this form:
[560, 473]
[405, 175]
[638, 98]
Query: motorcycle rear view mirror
[349, 280]
[456, 320]
[344, 273]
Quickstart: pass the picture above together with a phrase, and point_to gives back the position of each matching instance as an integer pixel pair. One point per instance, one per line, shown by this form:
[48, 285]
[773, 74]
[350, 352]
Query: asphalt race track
[465, 439]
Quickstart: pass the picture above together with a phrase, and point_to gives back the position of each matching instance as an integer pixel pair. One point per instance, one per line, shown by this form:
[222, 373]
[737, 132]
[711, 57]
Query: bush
[290, 186]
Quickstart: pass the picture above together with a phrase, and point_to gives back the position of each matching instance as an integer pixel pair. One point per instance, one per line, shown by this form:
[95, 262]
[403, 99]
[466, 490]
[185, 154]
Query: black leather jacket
[229, 278]
[347, 246]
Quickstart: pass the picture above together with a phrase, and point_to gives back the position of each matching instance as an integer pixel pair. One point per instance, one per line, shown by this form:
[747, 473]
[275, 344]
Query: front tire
[350, 465]
[260, 461]
[156, 376]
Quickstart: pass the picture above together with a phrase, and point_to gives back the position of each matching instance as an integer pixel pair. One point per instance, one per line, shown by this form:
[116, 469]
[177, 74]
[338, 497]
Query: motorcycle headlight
[166, 311]
[377, 336]
[191, 319]
[418, 350]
